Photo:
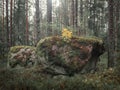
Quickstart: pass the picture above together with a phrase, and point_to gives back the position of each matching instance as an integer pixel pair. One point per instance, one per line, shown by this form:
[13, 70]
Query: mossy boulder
[69, 56]
[21, 56]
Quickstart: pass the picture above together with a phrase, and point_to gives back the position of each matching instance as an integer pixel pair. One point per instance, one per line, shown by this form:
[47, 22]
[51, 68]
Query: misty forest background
[25, 22]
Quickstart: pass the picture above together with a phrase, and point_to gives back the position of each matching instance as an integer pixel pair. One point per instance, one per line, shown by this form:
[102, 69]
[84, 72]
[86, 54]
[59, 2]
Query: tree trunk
[65, 12]
[76, 17]
[7, 26]
[3, 22]
[95, 23]
[37, 18]
[111, 46]
[27, 31]
[81, 17]
[49, 17]
[11, 5]
[76, 13]
[117, 13]
[13, 33]
[72, 14]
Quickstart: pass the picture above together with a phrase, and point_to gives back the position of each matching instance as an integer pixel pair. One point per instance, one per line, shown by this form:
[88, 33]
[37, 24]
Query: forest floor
[3, 64]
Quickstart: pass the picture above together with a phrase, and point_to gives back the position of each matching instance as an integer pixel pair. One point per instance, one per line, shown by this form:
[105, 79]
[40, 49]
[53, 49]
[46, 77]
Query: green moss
[59, 40]
[21, 55]
[91, 40]
[15, 49]
[48, 42]
[67, 52]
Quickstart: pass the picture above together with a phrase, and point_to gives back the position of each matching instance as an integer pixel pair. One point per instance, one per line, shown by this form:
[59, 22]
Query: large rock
[68, 56]
[21, 56]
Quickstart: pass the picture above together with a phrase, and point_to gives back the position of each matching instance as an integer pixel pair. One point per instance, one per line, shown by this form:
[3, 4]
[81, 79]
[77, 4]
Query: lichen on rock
[21, 56]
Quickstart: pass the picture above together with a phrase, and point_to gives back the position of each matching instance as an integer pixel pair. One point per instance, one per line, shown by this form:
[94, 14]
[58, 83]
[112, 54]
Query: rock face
[21, 56]
[68, 56]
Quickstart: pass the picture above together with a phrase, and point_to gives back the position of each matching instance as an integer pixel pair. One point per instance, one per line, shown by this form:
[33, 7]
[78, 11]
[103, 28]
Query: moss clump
[91, 40]
[23, 56]
[15, 49]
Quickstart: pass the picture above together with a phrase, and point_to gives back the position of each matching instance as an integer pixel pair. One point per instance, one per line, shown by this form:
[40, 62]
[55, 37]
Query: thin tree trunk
[3, 22]
[11, 41]
[7, 26]
[117, 13]
[111, 48]
[81, 17]
[49, 17]
[13, 33]
[117, 22]
[27, 31]
[95, 23]
[65, 16]
[37, 19]
[76, 13]
[81, 10]
[72, 14]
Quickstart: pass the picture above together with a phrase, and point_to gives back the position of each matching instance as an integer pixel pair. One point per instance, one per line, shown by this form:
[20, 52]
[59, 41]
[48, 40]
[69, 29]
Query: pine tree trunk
[65, 16]
[13, 33]
[76, 13]
[117, 5]
[27, 31]
[95, 24]
[111, 46]
[11, 41]
[3, 22]
[49, 17]
[72, 14]
[7, 26]
[81, 17]
[117, 14]
[37, 18]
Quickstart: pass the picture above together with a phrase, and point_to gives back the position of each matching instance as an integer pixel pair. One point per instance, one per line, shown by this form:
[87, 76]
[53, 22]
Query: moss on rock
[68, 55]
[23, 56]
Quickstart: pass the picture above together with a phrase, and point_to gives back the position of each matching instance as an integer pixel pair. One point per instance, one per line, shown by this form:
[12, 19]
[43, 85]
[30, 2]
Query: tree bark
[72, 14]
[65, 11]
[111, 46]
[37, 18]
[117, 14]
[49, 17]
[27, 31]
[76, 13]
[7, 25]
[3, 22]
[11, 38]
